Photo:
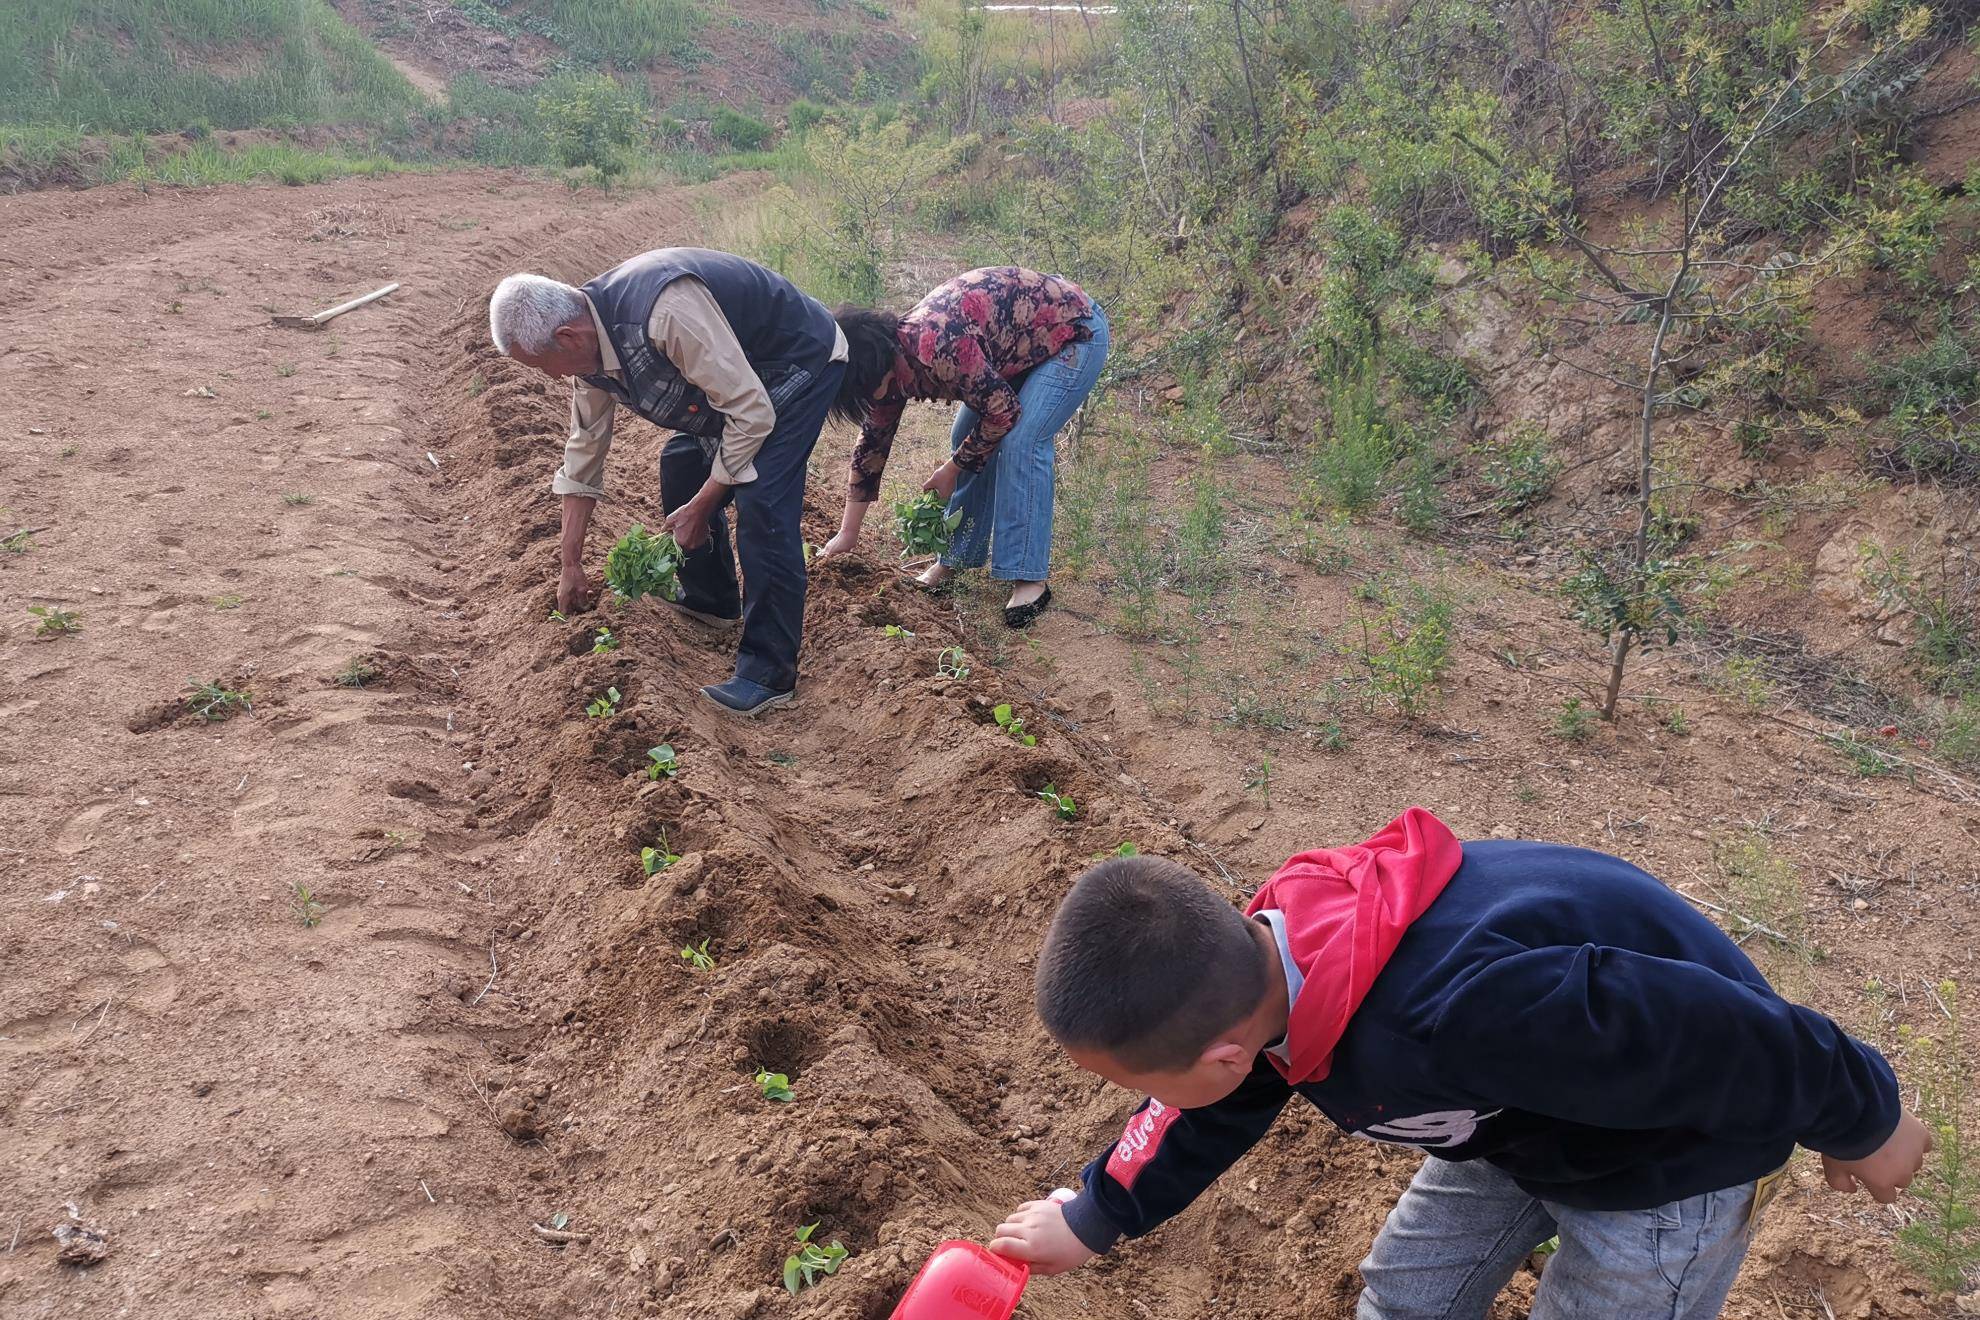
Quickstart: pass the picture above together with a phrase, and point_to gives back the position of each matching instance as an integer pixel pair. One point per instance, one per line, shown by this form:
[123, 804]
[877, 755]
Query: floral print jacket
[968, 340]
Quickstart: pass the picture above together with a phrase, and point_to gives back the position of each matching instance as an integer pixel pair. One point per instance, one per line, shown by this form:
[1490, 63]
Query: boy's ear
[1227, 1054]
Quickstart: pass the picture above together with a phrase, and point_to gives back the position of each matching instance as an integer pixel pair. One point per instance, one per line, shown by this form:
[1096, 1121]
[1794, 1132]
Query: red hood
[1345, 911]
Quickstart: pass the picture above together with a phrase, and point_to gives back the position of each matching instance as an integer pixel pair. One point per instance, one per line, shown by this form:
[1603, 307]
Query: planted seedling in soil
[557, 616]
[643, 563]
[19, 543]
[213, 702]
[604, 706]
[893, 632]
[1261, 781]
[295, 499]
[661, 763]
[1122, 850]
[924, 525]
[604, 641]
[1061, 802]
[775, 1086]
[227, 602]
[55, 622]
[357, 673]
[802, 1269]
[698, 957]
[1574, 721]
[652, 859]
[308, 910]
[1007, 720]
[952, 663]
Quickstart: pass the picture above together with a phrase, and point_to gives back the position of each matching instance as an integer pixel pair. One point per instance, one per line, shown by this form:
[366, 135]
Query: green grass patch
[123, 66]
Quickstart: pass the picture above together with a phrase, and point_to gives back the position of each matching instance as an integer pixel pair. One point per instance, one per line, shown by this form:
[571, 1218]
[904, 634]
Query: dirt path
[489, 1023]
[267, 1118]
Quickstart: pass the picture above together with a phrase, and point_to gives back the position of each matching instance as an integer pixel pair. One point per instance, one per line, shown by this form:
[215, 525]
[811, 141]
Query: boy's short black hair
[1147, 964]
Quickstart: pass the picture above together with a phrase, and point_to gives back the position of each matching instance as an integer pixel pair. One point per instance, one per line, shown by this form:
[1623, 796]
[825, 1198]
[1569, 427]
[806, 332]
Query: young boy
[1578, 1051]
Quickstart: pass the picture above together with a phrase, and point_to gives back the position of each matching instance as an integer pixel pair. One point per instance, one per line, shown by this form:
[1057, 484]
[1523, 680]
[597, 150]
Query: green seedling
[604, 641]
[476, 384]
[212, 701]
[1677, 724]
[661, 763]
[644, 563]
[658, 858]
[1261, 781]
[68, 451]
[357, 673]
[1007, 720]
[1125, 850]
[607, 705]
[285, 369]
[262, 414]
[1574, 721]
[19, 543]
[308, 911]
[924, 526]
[227, 602]
[698, 957]
[295, 499]
[775, 1086]
[952, 663]
[1061, 802]
[802, 1269]
[557, 616]
[893, 632]
[55, 622]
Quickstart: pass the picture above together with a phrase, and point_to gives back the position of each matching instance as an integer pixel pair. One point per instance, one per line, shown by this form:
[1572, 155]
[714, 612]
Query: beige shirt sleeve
[688, 327]
[590, 440]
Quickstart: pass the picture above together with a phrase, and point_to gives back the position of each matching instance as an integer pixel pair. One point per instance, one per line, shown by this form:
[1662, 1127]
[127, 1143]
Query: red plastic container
[962, 1281]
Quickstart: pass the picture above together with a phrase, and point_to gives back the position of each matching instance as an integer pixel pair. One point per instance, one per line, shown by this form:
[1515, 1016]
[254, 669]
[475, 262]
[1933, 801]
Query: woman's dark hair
[872, 340]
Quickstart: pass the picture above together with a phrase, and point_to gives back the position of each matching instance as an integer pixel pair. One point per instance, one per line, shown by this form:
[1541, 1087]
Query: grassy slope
[131, 66]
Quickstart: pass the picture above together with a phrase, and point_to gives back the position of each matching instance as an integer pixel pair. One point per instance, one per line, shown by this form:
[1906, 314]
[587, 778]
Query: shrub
[740, 131]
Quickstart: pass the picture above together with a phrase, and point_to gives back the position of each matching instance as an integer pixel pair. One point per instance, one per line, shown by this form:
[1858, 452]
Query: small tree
[592, 122]
[1691, 281]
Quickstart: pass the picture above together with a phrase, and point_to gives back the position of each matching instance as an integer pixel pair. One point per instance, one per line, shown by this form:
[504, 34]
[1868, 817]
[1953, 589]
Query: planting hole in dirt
[780, 1046]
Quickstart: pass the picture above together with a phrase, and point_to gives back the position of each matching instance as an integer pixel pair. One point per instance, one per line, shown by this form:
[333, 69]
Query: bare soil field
[316, 1010]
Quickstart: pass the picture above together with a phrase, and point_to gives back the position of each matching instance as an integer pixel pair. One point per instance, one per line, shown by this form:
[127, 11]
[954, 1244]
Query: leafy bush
[592, 123]
[738, 130]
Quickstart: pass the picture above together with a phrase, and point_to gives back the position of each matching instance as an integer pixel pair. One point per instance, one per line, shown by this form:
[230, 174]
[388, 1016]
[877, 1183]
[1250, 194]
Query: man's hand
[943, 483]
[573, 589]
[689, 524]
[1036, 1232]
[1887, 1170]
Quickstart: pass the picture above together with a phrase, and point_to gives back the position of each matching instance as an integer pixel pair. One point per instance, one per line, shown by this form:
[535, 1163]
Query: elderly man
[743, 367]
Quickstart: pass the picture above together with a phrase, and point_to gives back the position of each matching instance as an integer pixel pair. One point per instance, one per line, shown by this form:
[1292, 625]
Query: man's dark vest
[787, 335]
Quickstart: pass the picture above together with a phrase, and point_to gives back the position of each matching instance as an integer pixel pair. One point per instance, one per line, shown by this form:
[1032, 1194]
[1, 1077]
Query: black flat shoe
[1021, 616]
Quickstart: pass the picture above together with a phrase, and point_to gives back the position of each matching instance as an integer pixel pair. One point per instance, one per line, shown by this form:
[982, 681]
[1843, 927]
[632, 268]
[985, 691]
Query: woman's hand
[943, 483]
[841, 543]
[847, 536]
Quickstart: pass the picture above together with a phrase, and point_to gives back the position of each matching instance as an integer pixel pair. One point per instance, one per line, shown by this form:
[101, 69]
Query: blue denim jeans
[1462, 1228]
[769, 543]
[1007, 507]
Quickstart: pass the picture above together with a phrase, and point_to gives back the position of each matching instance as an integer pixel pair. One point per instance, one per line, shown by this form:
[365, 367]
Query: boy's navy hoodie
[1551, 1010]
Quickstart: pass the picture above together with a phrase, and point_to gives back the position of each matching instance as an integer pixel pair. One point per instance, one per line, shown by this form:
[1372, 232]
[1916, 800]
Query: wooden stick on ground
[321, 318]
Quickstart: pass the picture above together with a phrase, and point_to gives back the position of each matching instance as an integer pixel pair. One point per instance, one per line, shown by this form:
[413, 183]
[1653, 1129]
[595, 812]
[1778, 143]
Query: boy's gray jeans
[1462, 1228]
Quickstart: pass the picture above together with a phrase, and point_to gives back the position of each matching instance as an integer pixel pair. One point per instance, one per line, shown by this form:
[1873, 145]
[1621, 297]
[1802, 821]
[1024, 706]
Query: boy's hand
[1887, 1170]
[1036, 1233]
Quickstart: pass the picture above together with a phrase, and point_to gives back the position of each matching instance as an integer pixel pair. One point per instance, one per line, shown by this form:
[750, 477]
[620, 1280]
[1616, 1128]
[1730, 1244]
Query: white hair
[526, 310]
